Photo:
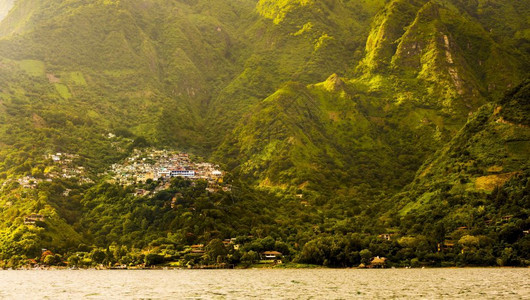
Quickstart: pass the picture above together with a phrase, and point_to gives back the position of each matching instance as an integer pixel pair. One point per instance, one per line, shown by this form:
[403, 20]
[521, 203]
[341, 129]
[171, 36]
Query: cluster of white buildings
[64, 167]
[29, 182]
[162, 165]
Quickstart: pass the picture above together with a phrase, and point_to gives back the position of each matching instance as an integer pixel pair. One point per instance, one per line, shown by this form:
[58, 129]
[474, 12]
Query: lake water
[493, 283]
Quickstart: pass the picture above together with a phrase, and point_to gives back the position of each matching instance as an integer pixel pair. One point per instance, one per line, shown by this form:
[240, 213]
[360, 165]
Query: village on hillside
[59, 165]
[161, 165]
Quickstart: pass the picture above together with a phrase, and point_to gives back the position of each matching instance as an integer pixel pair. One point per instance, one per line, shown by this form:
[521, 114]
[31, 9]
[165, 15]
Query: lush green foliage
[337, 121]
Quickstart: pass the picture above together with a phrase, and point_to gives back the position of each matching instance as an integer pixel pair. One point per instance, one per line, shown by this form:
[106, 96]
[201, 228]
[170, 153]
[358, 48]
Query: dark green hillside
[426, 66]
[302, 41]
[479, 180]
[327, 136]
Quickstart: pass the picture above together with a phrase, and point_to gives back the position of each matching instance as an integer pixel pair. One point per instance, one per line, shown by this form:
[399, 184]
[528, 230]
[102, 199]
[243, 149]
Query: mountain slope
[416, 85]
[478, 184]
[152, 63]
[488, 152]
[324, 135]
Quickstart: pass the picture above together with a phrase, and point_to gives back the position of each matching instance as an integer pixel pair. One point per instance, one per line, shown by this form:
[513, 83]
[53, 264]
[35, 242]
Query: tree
[97, 256]
[152, 259]
[268, 243]
[250, 257]
[365, 256]
[216, 251]
[50, 260]
[73, 260]
[312, 253]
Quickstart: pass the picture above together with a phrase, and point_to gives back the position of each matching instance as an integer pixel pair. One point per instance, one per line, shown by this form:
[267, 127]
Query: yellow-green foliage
[389, 27]
[63, 90]
[32, 67]
[277, 10]
[76, 78]
[305, 28]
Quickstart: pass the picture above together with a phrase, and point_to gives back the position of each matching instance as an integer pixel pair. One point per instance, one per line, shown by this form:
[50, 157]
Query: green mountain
[487, 153]
[418, 81]
[375, 113]
[476, 188]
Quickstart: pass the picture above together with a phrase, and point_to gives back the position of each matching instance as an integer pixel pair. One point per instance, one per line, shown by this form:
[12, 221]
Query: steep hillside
[491, 151]
[427, 65]
[478, 184]
[450, 47]
[302, 41]
[330, 136]
[150, 67]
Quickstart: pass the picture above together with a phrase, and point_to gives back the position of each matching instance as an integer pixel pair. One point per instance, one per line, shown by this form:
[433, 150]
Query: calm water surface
[268, 284]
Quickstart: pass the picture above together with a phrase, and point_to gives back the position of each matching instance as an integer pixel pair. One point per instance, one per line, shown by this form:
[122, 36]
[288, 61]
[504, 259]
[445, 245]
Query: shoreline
[254, 268]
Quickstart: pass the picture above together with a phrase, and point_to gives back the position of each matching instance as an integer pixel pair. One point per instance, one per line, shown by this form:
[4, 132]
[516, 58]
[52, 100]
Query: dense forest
[347, 131]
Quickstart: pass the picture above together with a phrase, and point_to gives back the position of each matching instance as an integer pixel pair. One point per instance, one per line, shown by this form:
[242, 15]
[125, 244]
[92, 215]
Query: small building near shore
[197, 249]
[378, 262]
[267, 255]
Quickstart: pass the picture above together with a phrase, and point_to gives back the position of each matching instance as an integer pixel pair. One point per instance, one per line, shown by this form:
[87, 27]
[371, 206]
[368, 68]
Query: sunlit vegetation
[349, 130]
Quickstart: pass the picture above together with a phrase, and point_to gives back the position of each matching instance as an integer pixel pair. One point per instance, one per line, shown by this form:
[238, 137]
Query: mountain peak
[334, 83]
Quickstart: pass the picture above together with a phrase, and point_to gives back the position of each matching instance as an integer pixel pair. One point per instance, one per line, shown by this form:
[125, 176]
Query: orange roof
[378, 260]
[272, 253]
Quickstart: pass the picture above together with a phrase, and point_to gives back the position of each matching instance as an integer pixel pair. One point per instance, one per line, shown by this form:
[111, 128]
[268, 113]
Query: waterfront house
[271, 255]
[378, 262]
[197, 249]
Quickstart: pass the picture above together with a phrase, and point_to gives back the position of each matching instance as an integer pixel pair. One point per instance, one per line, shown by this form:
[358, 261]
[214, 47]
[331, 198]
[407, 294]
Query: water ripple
[475, 283]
